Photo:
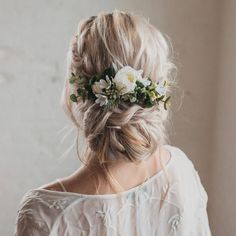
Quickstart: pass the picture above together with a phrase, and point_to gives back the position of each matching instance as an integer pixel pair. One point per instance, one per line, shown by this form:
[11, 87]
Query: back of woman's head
[127, 131]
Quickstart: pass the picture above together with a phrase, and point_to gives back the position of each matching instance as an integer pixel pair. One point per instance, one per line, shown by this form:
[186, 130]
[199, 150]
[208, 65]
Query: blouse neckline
[114, 195]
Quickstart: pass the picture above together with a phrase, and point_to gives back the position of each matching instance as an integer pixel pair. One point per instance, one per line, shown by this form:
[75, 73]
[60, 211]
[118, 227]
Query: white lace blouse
[149, 209]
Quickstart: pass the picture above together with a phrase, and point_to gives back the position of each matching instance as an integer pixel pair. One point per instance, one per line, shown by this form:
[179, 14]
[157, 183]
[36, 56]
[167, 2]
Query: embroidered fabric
[153, 208]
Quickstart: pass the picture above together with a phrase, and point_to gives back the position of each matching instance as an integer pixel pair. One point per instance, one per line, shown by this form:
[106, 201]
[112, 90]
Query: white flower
[101, 84]
[101, 99]
[125, 79]
[161, 88]
[145, 81]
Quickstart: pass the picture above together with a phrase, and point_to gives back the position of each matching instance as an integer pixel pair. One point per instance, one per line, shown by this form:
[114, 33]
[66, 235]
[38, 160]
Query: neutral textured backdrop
[34, 39]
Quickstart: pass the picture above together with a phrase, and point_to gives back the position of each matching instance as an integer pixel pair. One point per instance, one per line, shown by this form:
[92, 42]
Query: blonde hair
[129, 132]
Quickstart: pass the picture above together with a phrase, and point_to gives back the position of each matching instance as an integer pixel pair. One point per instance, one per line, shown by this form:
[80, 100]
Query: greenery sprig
[112, 86]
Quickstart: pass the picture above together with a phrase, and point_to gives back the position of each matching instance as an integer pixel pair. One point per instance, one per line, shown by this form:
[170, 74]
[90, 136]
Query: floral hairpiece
[113, 85]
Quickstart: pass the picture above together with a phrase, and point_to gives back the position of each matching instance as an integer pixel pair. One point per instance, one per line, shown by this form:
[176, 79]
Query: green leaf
[148, 103]
[152, 86]
[80, 91]
[72, 79]
[165, 102]
[92, 80]
[161, 98]
[73, 98]
[139, 84]
[167, 99]
[110, 71]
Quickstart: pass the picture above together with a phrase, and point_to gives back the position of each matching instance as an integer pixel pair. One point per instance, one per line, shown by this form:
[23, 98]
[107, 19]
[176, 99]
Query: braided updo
[129, 132]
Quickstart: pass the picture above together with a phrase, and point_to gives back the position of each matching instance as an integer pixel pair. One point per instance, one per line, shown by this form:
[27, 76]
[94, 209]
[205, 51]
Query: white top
[140, 212]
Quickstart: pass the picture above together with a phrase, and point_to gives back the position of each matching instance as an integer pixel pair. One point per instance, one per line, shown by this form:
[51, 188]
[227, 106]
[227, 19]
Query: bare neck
[128, 174]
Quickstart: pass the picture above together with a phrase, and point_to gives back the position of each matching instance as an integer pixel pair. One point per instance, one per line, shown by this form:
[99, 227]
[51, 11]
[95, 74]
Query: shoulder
[29, 200]
[187, 191]
[185, 173]
[38, 209]
[181, 168]
[182, 161]
[53, 185]
[29, 220]
[179, 154]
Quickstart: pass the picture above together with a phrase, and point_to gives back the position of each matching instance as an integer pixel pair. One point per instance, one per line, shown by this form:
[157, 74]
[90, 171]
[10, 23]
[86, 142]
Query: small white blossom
[145, 81]
[101, 84]
[161, 88]
[101, 99]
[125, 79]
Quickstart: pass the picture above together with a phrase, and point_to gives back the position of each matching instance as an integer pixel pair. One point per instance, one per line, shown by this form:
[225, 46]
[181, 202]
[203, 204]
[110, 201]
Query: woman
[131, 182]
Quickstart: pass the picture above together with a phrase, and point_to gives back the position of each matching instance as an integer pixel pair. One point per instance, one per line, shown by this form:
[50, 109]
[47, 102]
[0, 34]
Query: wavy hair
[128, 131]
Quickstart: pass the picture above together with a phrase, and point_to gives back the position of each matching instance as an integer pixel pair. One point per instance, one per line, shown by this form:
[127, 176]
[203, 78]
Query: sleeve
[195, 200]
[28, 221]
[202, 222]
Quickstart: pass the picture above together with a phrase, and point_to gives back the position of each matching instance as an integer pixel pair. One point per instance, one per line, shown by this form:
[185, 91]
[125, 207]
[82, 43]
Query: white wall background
[34, 39]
